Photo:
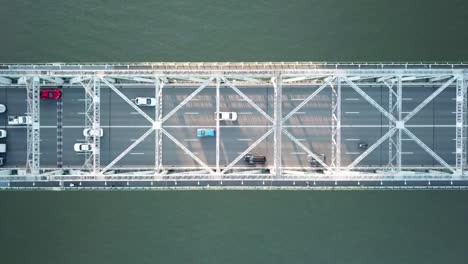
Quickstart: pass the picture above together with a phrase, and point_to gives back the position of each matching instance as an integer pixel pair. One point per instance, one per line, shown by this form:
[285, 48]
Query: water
[233, 226]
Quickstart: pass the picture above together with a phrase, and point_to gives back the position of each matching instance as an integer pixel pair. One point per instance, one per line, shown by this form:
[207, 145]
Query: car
[89, 132]
[228, 116]
[145, 101]
[3, 133]
[205, 132]
[1, 161]
[362, 145]
[82, 147]
[2, 108]
[314, 162]
[53, 94]
[254, 159]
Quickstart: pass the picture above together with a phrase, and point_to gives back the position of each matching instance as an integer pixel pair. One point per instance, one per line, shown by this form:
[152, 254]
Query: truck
[19, 120]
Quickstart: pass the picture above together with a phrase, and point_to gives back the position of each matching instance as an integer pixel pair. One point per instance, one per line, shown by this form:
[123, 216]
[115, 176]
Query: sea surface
[365, 227]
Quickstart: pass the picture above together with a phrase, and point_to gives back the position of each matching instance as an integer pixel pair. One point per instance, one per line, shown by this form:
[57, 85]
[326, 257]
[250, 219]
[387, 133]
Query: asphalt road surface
[361, 122]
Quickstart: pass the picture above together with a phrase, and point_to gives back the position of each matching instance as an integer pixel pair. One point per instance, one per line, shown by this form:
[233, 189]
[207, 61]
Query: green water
[232, 226]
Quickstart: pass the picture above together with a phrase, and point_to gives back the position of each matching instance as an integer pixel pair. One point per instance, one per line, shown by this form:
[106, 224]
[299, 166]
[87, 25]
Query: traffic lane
[48, 145]
[412, 153]
[3, 100]
[355, 110]
[200, 109]
[445, 107]
[48, 112]
[105, 143]
[317, 140]
[122, 138]
[16, 144]
[121, 113]
[73, 106]
[350, 139]
[445, 144]
[15, 101]
[315, 112]
[72, 135]
[106, 108]
[412, 97]
[173, 155]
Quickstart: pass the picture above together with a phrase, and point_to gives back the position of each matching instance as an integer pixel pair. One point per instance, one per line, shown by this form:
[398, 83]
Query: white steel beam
[277, 125]
[239, 157]
[328, 82]
[187, 99]
[369, 99]
[429, 99]
[336, 125]
[127, 150]
[428, 150]
[125, 98]
[186, 150]
[246, 98]
[158, 88]
[4, 80]
[460, 122]
[370, 149]
[33, 127]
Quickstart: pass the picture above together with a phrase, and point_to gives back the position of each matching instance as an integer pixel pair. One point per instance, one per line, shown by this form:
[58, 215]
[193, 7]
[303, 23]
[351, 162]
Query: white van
[2, 148]
[2, 108]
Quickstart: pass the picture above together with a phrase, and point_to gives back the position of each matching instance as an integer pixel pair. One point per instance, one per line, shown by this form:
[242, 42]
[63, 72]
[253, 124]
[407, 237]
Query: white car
[89, 132]
[145, 101]
[82, 147]
[2, 108]
[3, 133]
[229, 116]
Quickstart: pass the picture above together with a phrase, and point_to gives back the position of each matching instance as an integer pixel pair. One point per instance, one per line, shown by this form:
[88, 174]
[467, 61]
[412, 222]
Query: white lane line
[352, 139]
[240, 99]
[83, 99]
[406, 139]
[134, 113]
[352, 113]
[406, 153]
[298, 153]
[301, 139]
[191, 113]
[405, 112]
[353, 153]
[297, 99]
[244, 113]
[80, 113]
[300, 113]
[351, 99]
[133, 139]
[194, 153]
[137, 153]
[406, 99]
[190, 139]
[456, 112]
[244, 139]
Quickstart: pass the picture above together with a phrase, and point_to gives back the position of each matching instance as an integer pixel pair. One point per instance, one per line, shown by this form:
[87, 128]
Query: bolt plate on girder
[400, 124]
[157, 125]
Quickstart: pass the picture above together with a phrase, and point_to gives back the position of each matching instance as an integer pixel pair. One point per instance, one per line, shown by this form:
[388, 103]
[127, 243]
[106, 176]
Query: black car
[362, 145]
[254, 159]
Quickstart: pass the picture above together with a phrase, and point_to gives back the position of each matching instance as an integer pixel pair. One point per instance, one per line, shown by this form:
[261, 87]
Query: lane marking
[244, 113]
[81, 99]
[190, 139]
[80, 113]
[353, 153]
[244, 139]
[406, 153]
[134, 113]
[351, 113]
[352, 139]
[298, 153]
[406, 99]
[301, 139]
[298, 99]
[299, 113]
[351, 99]
[194, 153]
[137, 153]
[406, 139]
[191, 113]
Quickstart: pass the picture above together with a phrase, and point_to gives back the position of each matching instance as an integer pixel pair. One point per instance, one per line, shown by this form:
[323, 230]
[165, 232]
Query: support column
[400, 123]
[460, 118]
[277, 124]
[33, 127]
[158, 85]
[336, 126]
[93, 122]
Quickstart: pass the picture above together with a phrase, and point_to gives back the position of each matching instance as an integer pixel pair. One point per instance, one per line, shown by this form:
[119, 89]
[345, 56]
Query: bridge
[319, 125]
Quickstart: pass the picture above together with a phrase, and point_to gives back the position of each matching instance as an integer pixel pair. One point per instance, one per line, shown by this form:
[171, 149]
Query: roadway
[122, 125]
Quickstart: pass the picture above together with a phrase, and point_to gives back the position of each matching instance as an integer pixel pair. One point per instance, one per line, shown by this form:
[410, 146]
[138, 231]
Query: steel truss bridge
[348, 94]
